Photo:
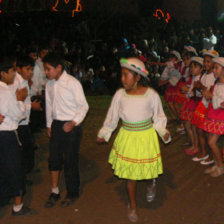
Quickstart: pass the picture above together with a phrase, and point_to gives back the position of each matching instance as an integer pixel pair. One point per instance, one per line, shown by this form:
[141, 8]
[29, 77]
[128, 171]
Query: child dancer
[205, 83]
[66, 108]
[11, 171]
[214, 119]
[24, 66]
[135, 154]
[184, 81]
[171, 77]
[192, 101]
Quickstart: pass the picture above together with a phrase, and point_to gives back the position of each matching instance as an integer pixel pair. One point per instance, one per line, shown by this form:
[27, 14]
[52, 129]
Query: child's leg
[151, 190]
[212, 141]
[131, 190]
[195, 142]
[171, 109]
[202, 141]
[187, 126]
[55, 178]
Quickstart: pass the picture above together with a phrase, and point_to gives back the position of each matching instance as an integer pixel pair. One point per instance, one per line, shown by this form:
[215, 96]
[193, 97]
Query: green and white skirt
[136, 153]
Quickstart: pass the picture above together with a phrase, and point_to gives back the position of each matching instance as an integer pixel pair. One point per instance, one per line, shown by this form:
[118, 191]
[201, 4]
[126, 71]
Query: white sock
[17, 208]
[55, 190]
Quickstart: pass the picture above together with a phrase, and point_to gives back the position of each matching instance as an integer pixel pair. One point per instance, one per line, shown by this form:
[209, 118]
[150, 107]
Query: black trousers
[26, 139]
[64, 150]
[12, 178]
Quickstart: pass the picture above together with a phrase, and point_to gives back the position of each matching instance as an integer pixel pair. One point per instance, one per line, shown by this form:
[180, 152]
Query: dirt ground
[185, 195]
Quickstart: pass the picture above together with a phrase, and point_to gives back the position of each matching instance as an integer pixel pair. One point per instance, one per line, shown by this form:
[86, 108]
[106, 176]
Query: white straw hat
[199, 60]
[191, 49]
[211, 53]
[219, 60]
[135, 65]
[176, 54]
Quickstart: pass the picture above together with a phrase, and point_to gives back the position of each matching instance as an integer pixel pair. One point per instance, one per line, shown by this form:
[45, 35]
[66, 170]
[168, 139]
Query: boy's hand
[21, 94]
[1, 118]
[49, 132]
[36, 105]
[68, 126]
[100, 140]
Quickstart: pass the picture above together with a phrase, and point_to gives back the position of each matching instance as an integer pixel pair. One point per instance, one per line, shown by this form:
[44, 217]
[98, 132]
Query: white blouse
[134, 108]
[218, 95]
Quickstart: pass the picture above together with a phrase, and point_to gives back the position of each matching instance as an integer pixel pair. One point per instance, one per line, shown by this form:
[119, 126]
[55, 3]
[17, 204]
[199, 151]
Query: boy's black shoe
[52, 200]
[69, 201]
[24, 211]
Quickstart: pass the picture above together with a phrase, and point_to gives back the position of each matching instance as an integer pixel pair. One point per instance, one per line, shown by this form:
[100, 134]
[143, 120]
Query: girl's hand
[166, 136]
[198, 85]
[100, 140]
[207, 94]
[184, 89]
[222, 105]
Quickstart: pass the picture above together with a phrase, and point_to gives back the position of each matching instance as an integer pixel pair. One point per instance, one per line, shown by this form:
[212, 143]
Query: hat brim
[209, 54]
[125, 65]
[216, 60]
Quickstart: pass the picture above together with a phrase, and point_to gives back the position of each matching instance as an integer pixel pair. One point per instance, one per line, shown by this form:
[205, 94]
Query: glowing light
[0, 3]
[78, 7]
[159, 14]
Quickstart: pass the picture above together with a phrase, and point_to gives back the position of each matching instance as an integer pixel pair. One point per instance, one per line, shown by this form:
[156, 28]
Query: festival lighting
[0, 3]
[159, 14]
[78, 7]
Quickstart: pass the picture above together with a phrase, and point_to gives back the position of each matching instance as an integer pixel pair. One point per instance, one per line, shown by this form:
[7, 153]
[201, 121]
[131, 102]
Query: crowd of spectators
[93, 50]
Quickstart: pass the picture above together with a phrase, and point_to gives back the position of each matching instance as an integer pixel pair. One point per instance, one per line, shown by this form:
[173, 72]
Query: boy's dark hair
[24, 61]
[54, 60]
[5, 64]
[31, 50]
[43, 47]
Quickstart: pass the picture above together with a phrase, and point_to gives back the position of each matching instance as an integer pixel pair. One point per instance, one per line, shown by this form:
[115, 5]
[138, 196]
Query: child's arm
[82, 105]
[14, 107]
[112, 118]
[159, 119]
[49, 117]
[218, 98]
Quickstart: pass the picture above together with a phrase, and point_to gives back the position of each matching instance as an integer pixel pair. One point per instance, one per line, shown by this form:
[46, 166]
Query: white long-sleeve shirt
[134, 108]
[13, 110]
[38, 78]
[218, 95]
[209, 43]
[65, 100]
[19, 83]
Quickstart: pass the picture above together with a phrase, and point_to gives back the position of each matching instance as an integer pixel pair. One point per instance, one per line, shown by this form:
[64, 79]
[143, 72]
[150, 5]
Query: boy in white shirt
[66, 108]
[24, 66]
[13, 109]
